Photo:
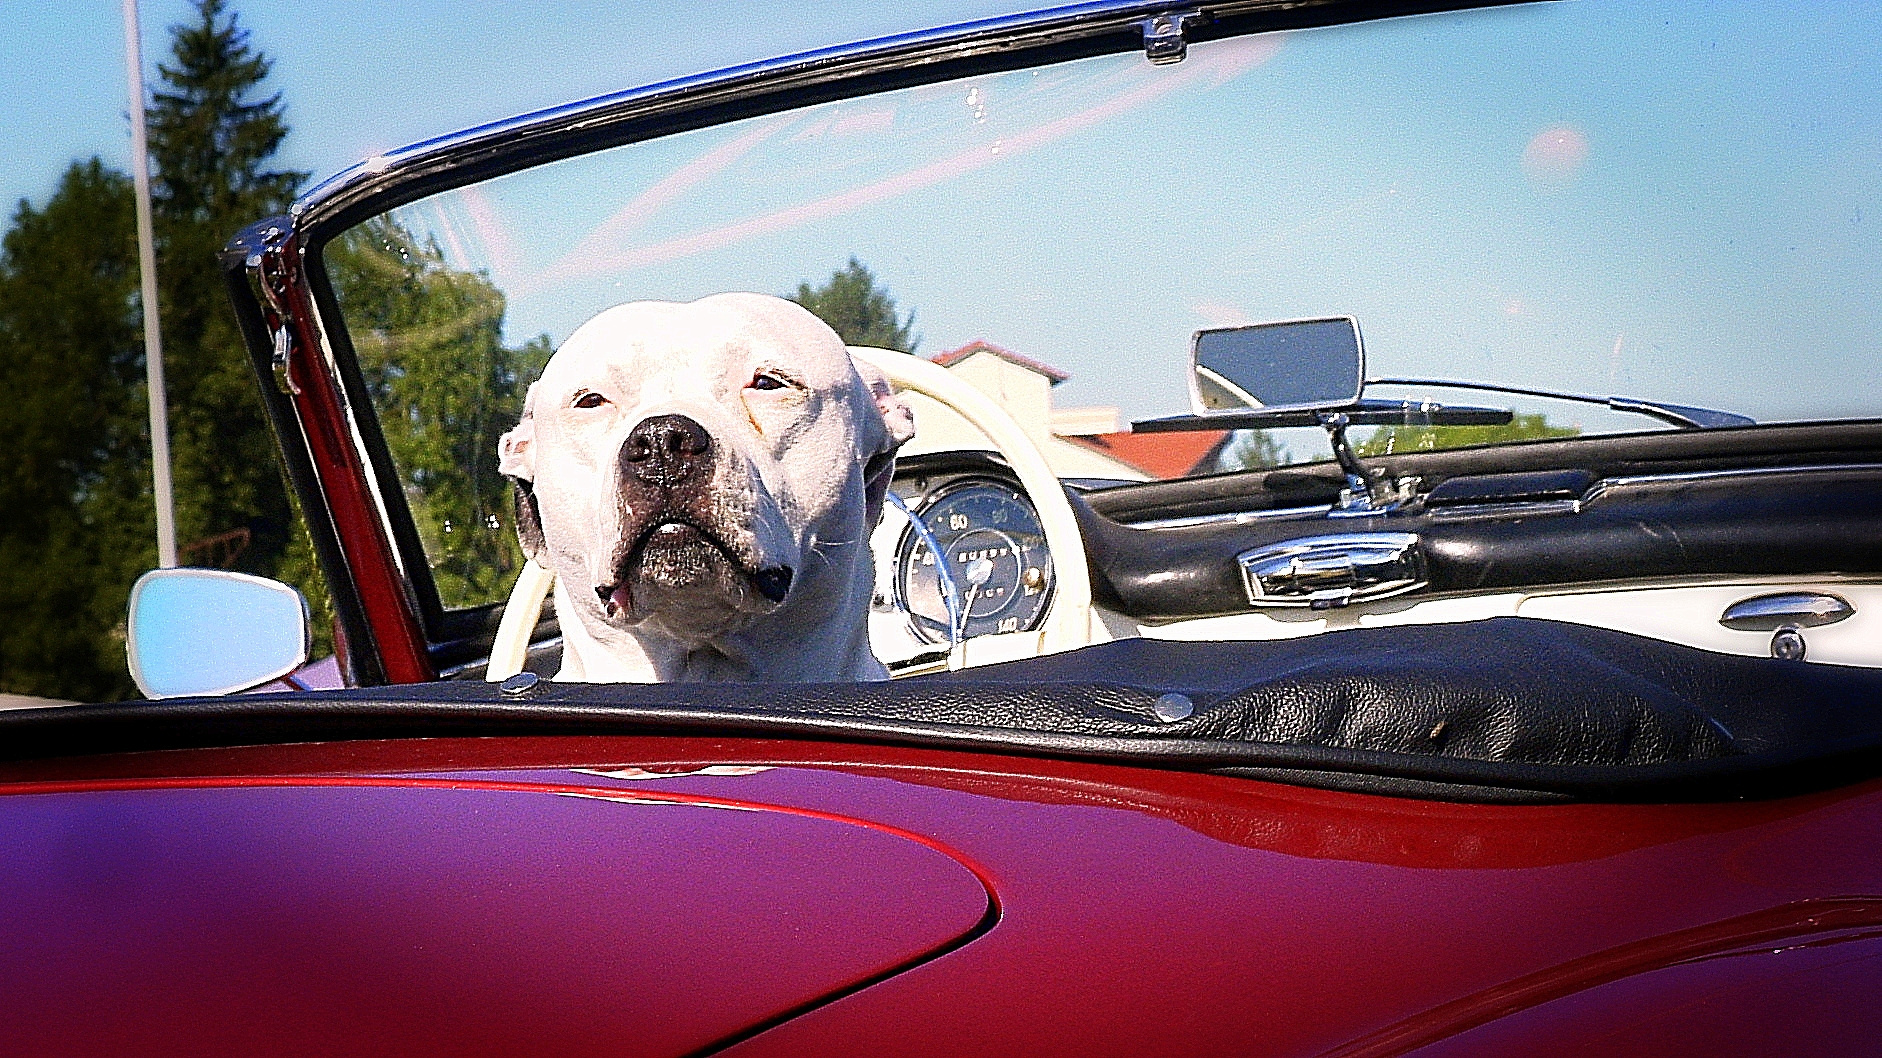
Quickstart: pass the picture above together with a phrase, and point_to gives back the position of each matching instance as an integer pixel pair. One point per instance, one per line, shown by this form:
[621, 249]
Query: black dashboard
[1743, 502]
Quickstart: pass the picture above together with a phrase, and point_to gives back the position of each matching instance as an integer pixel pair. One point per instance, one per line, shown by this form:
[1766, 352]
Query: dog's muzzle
[674, 532]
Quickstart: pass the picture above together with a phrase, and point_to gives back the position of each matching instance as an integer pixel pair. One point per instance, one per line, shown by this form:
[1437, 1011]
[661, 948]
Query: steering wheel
[1068, 624]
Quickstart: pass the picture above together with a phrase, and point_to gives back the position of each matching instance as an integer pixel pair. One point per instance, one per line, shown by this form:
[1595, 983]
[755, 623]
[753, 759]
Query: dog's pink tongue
[620, 600]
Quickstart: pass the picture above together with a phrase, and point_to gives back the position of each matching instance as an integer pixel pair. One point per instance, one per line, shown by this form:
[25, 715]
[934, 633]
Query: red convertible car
[1405, 694]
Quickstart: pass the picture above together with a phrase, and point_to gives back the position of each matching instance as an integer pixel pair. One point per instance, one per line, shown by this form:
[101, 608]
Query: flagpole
[147, 267]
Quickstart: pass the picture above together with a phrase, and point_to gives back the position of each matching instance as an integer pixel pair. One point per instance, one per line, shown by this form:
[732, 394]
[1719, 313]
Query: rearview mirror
[209, 631]
[1286, 366]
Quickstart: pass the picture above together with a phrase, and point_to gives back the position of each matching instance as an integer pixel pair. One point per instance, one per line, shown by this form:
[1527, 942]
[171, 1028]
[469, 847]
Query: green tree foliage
[430, 345]
[80, 525]
[1252, 450]
[1260, 449]
[71, 360]
[1530, 427]
[859, 310]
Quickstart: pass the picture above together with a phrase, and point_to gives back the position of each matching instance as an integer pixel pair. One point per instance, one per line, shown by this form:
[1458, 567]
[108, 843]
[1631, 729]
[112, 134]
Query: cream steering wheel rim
[1068, 622]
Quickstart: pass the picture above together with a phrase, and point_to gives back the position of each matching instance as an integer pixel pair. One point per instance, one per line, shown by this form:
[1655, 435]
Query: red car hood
[534, 896]
[452, 916]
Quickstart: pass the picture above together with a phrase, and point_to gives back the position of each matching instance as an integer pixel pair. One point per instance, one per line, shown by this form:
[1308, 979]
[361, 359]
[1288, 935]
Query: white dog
[702, 479]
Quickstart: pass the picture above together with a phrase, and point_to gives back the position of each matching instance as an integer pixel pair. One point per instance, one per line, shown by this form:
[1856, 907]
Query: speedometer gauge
[995, 551]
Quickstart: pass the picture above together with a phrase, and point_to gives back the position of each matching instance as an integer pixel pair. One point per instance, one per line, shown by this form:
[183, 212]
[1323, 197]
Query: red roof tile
[1161, 455]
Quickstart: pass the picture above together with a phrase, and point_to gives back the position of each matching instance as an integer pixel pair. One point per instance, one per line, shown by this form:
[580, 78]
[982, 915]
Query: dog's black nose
[665, 449]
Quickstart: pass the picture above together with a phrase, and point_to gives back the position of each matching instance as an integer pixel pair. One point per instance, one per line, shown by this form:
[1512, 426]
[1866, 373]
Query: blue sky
[360, 76]
[1706, 229]
[1587, 197]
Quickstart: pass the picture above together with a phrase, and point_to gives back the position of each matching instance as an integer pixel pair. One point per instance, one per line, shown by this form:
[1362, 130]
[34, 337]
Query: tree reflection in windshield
[430, 345]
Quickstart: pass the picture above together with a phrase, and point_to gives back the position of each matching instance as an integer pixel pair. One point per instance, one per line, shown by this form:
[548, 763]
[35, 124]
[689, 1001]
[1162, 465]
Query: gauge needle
[979, 572]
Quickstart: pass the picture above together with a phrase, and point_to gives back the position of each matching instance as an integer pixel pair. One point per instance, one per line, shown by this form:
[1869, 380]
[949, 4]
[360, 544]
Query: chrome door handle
[1802, 609]
[1785, 615]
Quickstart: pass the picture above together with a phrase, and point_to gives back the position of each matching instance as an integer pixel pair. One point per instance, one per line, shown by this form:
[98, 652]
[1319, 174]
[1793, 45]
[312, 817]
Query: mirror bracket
[1366, 492]
[1165, 39]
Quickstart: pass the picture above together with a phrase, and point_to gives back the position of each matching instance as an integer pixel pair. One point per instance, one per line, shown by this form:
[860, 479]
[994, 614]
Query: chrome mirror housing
[1292, 365]
[209, 631]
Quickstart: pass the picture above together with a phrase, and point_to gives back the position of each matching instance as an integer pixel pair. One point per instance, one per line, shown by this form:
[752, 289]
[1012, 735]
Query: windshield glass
[1673, 202]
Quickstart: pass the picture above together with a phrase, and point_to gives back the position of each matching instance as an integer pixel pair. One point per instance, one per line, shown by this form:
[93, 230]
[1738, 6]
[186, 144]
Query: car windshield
[1675, 202]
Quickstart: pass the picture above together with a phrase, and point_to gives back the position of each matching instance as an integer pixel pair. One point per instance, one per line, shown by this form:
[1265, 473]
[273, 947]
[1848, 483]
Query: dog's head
[687, 467]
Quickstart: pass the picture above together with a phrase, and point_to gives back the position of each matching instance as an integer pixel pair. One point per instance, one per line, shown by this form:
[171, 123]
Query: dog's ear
[516, 450]
[516, 459]
[898, 422]
[897, 416]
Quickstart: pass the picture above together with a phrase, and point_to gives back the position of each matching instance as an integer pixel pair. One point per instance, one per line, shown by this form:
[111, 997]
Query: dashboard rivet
[1173, 707]
[519, 685]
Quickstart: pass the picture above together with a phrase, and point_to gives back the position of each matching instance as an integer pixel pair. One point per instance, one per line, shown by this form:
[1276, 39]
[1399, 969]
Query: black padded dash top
[1498, 690]
[1503, 709]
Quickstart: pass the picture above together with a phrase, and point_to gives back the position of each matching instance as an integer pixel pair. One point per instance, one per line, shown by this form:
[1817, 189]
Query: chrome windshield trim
[384, 172]
[442, 163]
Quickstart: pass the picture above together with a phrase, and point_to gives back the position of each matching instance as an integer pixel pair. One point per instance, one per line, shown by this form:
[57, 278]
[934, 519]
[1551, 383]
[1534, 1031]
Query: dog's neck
[770, 651]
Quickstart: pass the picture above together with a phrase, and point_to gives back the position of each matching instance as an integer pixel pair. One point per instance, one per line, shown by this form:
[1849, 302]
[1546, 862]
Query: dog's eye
[765, 380]
[590, 400]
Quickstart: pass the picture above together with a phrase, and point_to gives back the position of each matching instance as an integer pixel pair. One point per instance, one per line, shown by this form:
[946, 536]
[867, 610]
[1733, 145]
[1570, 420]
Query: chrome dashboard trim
[1523, 509]
[1736, 472]
[1228, 518]
[1776, 611]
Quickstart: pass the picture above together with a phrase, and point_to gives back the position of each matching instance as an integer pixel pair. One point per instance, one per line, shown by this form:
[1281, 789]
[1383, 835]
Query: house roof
[981, 345]
[1161, 455]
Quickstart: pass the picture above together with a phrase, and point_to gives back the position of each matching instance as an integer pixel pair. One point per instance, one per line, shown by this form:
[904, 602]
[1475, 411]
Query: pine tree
[212, 132]
[859, 310]
[209, 135]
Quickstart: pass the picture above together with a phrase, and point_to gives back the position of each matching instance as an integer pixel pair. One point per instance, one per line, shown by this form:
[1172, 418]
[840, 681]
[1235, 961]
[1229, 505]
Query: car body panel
[444, 914]
[1139, 910]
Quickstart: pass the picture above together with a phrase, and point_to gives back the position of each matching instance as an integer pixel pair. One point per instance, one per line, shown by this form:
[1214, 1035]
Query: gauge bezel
[927, 500]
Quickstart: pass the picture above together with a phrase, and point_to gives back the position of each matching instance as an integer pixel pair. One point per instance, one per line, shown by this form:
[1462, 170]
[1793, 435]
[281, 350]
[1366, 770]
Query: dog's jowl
[701, 479]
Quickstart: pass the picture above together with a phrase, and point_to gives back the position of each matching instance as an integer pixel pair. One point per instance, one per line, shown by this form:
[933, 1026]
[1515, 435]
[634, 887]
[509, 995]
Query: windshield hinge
[1165, 39]
[270, 271]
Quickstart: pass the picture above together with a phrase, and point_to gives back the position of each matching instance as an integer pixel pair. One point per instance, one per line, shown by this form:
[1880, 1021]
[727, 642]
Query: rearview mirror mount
[1303, 373]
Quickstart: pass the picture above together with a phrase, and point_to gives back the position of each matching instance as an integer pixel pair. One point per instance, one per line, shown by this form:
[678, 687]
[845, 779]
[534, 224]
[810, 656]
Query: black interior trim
[1661, 506]
[1503, 710]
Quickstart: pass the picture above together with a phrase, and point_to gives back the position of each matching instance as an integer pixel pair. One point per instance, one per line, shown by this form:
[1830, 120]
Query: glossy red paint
[1813, 995]
[433, 916]
[1140, 911]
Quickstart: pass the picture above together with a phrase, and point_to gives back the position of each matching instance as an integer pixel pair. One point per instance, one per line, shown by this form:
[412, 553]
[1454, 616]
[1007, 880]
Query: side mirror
[1295, 365]
[208, 631]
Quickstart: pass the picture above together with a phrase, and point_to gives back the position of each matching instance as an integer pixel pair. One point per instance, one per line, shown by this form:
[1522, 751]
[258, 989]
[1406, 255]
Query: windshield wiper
[1679, 415]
